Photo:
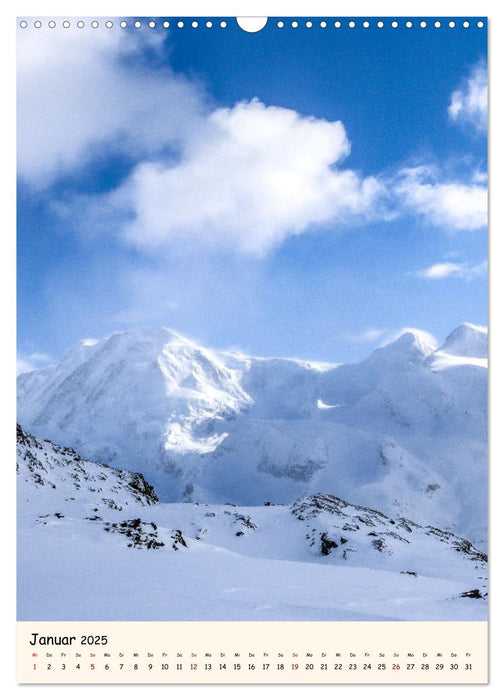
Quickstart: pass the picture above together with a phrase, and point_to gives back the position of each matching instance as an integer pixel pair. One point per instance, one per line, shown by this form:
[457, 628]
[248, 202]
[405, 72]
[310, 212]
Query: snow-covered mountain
[402, 432]
[41, 463]
[317, 558]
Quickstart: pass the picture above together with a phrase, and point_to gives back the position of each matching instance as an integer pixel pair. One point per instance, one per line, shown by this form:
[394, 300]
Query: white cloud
[469, 104]
[480, 177]
[367, 336]
[251, 177]
[241, 179]
[31, 361]
[453, 205]
[82, 89]
[450, 269]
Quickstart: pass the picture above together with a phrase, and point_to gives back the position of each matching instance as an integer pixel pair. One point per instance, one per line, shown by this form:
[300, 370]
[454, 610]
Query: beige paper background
[255, 652]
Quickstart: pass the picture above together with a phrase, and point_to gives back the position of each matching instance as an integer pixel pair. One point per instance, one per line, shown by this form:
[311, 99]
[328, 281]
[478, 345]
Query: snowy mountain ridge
[41, 463]
[305, 560]
[403, 431]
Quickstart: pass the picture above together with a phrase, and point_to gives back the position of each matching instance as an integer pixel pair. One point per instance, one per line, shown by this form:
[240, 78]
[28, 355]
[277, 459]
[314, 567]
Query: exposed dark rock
[140, 486]
[326, 544]
[178, 539]
[110, 503]
[245, 520]
[379, 544]
[475, 593]
[141, 534]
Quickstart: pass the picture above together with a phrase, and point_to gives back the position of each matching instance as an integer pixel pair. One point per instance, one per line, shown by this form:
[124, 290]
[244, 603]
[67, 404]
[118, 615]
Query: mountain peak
[417, 339]
[467, 340]
[412, 343]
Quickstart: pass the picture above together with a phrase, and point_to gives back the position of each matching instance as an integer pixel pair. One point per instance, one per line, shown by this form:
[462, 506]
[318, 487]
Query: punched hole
[251, 24]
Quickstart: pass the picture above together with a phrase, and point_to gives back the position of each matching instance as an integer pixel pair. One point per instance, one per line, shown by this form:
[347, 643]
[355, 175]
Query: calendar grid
[255, 652]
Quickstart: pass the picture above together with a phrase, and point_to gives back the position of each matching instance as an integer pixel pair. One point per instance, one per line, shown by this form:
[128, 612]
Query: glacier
[403, 431]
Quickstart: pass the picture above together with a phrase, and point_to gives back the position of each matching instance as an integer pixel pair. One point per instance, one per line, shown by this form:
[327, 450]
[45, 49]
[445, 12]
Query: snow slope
[466, 345]
[404, 431]
[319, 558]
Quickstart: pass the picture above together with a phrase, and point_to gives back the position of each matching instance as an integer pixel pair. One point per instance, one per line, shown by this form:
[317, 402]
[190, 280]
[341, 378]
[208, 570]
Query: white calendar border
[7, 257]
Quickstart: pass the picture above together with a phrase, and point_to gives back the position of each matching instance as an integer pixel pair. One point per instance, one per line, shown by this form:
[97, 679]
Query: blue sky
[301, 192]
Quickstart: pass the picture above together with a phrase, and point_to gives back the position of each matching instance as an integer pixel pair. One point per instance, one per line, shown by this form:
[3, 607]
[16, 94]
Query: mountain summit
[467, 340]
[403, 431]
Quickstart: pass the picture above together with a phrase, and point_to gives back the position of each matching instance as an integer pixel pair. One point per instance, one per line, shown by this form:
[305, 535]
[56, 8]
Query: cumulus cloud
[454, 205]
[82, 90]
[252, 176]
[451, 269]
[469, 103]
[240, 179]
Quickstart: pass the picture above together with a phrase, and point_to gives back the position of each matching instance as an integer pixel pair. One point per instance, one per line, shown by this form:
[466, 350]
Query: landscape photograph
[252, 320]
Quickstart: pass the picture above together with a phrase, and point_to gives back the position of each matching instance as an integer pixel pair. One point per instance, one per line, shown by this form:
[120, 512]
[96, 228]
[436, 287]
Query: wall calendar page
[252, 350]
